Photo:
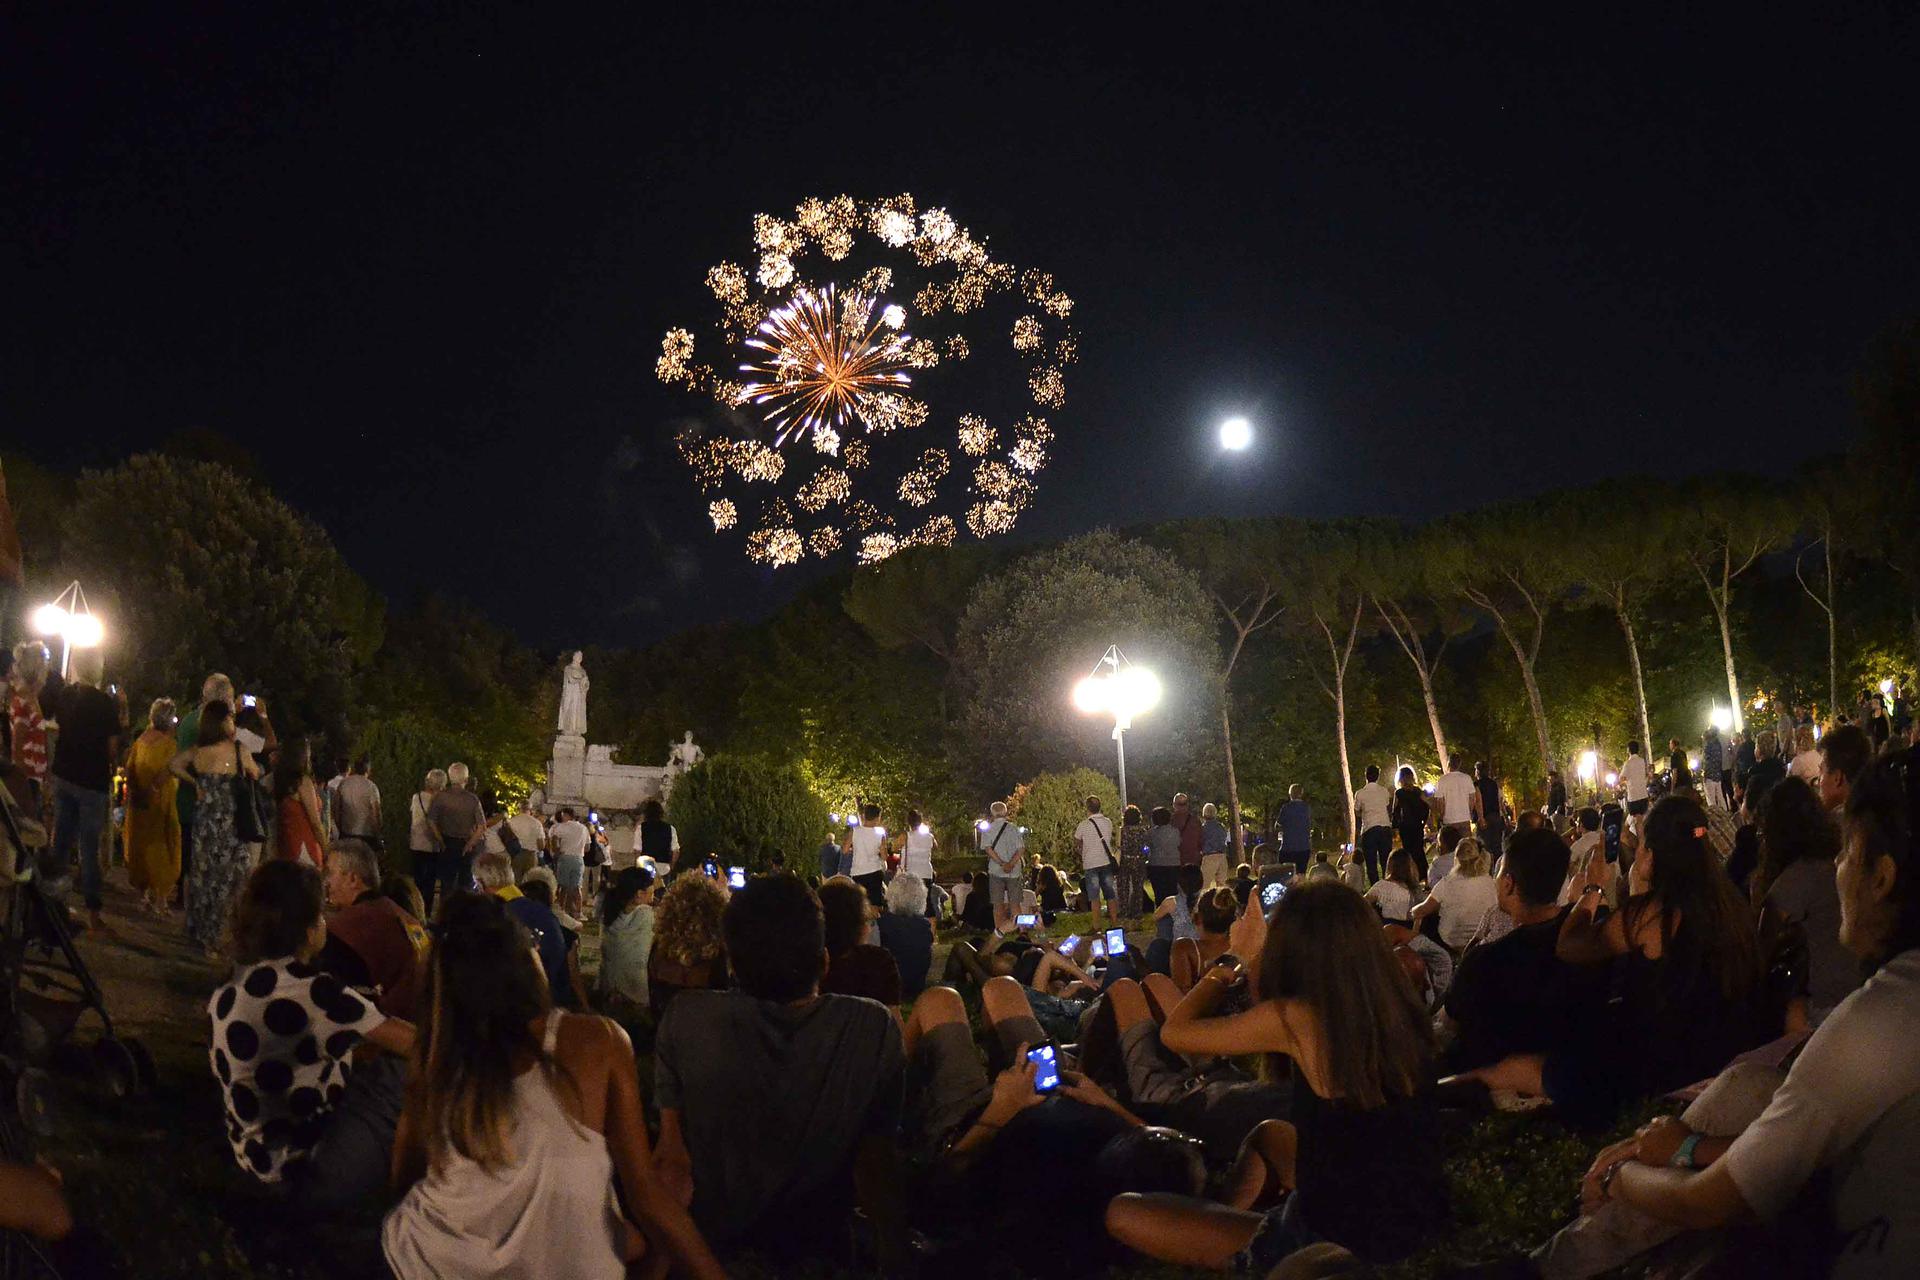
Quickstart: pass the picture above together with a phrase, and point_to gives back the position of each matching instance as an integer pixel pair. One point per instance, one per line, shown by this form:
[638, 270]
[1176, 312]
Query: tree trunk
[1338, 692]
[1534, 703]
[1416, 650]
[1233, 780]
[1726, 651]
[1433, 719]
[1639, 682]
[1833, 636]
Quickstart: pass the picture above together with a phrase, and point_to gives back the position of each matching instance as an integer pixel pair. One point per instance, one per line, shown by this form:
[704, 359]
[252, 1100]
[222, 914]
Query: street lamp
[68, 616]
[1720, 718]
[1118, 688]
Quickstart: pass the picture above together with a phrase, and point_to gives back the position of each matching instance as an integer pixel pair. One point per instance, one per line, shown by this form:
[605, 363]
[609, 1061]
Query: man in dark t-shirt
[83, 757]
[778, 1105]
[1514, 995]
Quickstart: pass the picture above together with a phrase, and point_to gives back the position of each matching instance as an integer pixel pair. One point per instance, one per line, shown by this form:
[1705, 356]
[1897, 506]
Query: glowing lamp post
[1721, 718]
[1587, 769]
[68, 616]
[1121, 690]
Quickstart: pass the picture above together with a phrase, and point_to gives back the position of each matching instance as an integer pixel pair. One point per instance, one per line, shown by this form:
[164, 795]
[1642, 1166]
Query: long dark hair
[1883, 814]
[1326, 950]
[1794, 825]
[1400, 870]
[212, 717]
[276, 911]
[293, 764]
[1704, 930]
[483, 996]
[626, 886]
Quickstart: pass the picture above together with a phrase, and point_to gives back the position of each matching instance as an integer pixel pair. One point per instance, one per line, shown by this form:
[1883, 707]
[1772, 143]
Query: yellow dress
[153, 827]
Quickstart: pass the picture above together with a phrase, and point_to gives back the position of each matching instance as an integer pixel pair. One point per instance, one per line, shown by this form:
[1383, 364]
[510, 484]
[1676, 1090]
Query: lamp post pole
[1120, 748]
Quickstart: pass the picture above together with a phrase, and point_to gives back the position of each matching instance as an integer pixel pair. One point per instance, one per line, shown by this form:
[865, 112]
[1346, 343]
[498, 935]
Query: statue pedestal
[567, 770]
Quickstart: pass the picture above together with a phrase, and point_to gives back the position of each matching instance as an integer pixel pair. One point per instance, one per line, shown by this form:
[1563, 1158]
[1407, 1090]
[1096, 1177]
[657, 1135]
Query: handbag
[250, 810]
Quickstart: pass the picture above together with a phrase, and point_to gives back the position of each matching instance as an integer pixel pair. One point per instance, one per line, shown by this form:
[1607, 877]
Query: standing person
[1215, 839]
[221, 862]
[1372, 818]
[1332, 998]
[1491, 812]
[1679, 773]
[186, 735]
[1767, 770]
[1713, 763]
[1188, 824]
[153, 822]
[1456, 802]
[655, 837]
[866, 857]
[1744, 758]
[356, 804]
[1410, 813]
[296, 807]
[1296, 828]
[1133, 862]
[334, 779]
[1163, 856]
[1634, 783]
[1094, 836]
[423, 840]
[457, 817]
[569, 840]
[1003, 844]
[916, 856]
[520, 1118]
[1556, 798]
[84, 753]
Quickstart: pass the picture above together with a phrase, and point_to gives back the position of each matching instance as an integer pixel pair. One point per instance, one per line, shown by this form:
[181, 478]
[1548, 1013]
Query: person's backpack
[596, 853]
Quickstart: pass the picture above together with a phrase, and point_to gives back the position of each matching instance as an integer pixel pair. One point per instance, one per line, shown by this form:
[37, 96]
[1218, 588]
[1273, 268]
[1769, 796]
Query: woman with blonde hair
[1463, 897]
[689, 950]
[517, 1119]
[153, 817]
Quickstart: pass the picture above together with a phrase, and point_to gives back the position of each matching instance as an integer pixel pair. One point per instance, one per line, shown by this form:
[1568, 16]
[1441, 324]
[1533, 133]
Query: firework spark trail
[828, 359]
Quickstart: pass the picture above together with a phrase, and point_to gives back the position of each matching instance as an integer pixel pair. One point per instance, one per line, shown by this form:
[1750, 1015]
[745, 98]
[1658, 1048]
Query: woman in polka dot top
[282, 1030]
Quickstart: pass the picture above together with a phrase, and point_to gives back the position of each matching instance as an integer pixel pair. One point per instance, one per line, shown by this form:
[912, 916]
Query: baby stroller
[45, 985]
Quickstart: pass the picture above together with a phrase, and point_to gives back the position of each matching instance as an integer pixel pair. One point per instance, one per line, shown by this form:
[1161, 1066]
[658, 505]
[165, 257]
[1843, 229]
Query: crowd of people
[515, 1059]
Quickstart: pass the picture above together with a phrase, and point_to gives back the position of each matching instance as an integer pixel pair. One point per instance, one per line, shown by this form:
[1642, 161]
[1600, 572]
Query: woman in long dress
[153, 821]
[220, 862]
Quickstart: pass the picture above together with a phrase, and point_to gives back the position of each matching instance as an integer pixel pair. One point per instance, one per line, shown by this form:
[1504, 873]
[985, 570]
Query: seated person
[1800, 907]
[907, 933]
[778, 1105]
[283, 1035]
[1059, 992]
[978, 1134]
[1683, 955]
[550, 883]
[1213, 915]
[1052, 892]
[855, 967]
[1173, 918]
[1849, 1104]
[493, 872]
[1329, 996]
[1515, 995]
[689, 952]
[1244, 883]
[626, 937]
[977, 912]
[1353, 872]
[521, 1120]
[1393, 897]
[1322, 868]
[539, 887]
[372, 944]
[1460, 899]
[1441, 864]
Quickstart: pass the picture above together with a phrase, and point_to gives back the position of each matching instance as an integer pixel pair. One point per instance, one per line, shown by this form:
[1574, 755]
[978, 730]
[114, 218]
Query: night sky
[419, 264]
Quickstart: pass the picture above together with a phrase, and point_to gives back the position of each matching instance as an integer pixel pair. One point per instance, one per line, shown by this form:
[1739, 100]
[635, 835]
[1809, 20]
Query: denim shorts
[1098, 882]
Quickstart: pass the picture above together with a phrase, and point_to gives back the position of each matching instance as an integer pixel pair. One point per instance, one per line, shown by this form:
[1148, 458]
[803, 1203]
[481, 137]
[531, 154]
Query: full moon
[1236, 434]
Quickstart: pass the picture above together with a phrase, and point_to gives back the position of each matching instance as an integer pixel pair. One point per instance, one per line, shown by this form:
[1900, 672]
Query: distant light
[1588, 766]
[1721, 718]
[1886, 686]
[1428, 788]
[1613, 779]
[834, 818]
[983, 824]
[1236, 434]
[1693, 764]
[50, 620]
[881, 832]
[924, 829]
[1816, 733]
[1759, 702]
[84, 631]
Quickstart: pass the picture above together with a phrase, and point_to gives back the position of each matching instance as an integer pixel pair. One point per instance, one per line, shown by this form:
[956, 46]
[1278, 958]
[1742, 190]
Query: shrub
[743, 809]
[1053, 804]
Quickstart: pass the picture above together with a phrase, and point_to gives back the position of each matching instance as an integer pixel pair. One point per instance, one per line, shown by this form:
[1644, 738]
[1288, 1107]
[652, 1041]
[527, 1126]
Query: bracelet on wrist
[1606, 1178]
[1686, 1156]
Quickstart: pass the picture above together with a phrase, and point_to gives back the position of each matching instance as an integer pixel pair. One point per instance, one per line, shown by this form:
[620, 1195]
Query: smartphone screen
[1116, 942]
[1073, 940]
[712, 869]
[248, 700]
[1099, 948]
[1026, 922]
[1270, 895]
[736, 877]
[1046, 1069]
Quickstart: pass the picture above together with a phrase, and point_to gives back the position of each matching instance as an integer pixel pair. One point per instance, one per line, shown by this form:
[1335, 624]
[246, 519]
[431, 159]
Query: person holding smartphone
[1333, 1000]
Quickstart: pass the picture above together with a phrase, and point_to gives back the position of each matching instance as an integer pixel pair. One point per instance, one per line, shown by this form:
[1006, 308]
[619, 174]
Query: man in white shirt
[867, 862]
[1003, 844]
[1633, 781]
[1370, 804]
[1589, 842]
[356, 804]
[1094, 835]
[1456, 801]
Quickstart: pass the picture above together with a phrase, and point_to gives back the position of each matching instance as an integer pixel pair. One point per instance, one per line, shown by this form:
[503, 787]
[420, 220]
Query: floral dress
[220, 862]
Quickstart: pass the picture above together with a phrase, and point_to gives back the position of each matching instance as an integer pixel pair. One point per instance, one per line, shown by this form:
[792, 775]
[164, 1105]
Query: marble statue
[684, 755]
[573, 699]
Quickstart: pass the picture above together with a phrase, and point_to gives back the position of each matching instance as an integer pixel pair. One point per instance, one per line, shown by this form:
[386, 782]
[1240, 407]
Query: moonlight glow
[1236, 434]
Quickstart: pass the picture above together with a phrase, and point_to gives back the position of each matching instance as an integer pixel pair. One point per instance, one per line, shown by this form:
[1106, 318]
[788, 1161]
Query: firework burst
[819, 315]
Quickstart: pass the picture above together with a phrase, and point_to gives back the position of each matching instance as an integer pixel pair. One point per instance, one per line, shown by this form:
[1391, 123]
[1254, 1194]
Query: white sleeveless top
[866, 850]
[554, 1202]
[918, 859]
